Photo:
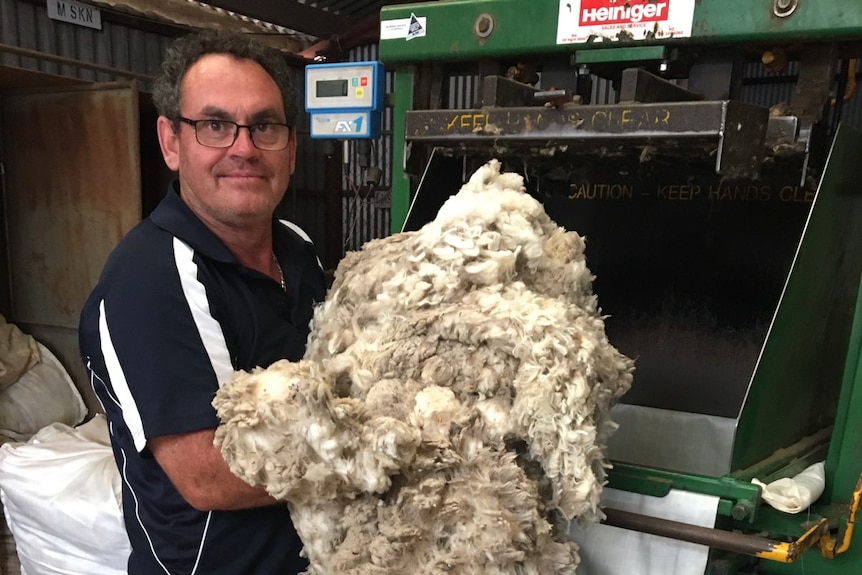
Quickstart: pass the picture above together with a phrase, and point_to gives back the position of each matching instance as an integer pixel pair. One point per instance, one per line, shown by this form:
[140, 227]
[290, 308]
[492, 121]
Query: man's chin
[247, 212]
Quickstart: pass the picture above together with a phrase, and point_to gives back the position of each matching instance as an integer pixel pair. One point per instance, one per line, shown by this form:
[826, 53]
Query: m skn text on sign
[75, 13]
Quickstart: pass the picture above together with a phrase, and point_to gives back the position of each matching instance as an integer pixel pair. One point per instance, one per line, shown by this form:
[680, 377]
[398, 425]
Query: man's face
[241, 185]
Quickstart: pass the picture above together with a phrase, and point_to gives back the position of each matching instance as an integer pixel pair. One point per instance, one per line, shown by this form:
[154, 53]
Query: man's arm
[201, 475]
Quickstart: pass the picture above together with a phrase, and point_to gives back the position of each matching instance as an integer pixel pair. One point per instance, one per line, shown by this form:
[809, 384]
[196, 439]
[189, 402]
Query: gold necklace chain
[280, 273]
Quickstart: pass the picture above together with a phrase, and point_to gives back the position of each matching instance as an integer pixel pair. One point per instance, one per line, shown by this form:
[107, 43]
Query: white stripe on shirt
[117, 376]
[208, 328]
[301, 233]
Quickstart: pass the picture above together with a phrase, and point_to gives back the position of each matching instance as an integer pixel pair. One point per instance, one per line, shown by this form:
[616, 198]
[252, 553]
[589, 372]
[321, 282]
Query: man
[209, 283]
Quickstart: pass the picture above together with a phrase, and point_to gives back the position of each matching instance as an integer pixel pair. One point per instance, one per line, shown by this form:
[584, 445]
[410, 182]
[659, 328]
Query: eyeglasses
[269, 136]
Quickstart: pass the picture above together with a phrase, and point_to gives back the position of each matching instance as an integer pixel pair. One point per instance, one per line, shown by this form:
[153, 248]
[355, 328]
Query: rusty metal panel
[73, 189]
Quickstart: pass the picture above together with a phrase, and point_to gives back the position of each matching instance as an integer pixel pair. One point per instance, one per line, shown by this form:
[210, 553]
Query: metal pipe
[63, 60]
[716, 538]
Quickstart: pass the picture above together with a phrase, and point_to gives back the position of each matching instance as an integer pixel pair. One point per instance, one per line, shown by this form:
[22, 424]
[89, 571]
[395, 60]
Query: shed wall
[97, 52]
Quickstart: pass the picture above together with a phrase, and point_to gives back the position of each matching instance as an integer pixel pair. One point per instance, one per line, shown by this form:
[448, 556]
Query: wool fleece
[451, 412]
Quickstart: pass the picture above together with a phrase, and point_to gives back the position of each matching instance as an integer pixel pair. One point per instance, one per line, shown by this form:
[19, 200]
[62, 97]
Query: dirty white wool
[451, 412]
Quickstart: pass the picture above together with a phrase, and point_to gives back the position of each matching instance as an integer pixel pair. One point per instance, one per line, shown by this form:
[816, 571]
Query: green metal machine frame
[800, 408]
[525, 27]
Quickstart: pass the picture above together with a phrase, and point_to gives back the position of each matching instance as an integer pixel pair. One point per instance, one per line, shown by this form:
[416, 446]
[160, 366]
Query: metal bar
[816, 77]
[17, 50]
[766, 469]
[740, 498]
[403, 89]
[741, 145]
[628, 54]
[727, 135]
[638, 85]
[718, 539]
[503, 92]
[332, 203]
[685, 119]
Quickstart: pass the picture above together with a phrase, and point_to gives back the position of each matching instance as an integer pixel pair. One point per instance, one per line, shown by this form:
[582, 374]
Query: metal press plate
[726, 134]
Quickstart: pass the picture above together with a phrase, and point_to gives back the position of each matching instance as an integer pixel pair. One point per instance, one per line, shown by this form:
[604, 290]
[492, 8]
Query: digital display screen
[331, 88]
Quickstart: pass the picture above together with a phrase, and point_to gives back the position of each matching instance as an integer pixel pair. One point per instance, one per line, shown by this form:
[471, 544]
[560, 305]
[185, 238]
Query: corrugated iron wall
[463, 91]
[764, 88]
[26, 25]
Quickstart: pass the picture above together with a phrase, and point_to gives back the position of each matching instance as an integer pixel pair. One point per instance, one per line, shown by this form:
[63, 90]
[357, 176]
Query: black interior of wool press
[689, 264]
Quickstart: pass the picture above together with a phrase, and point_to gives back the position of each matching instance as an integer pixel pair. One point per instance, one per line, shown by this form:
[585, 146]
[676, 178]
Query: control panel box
[344, 99]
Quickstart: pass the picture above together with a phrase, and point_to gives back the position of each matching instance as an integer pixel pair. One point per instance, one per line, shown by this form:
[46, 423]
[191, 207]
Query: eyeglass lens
[223, 133]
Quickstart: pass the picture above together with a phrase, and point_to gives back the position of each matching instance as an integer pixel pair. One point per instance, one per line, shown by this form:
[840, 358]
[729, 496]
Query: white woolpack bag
[61, 495]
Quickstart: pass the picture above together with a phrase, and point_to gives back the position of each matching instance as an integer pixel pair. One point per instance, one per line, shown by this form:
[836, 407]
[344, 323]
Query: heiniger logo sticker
[612, 20]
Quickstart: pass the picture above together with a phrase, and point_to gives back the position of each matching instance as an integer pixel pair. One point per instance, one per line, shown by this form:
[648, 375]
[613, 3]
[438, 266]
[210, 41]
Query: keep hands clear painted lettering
[739, 193]
[631, 118]
[601, 192]
[624, 118]
[469, 122]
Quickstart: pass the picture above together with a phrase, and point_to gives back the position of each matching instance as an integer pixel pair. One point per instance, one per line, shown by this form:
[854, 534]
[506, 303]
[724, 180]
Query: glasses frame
[237, 126]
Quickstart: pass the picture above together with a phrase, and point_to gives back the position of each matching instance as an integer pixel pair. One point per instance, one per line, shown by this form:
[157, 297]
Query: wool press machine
[724, 230]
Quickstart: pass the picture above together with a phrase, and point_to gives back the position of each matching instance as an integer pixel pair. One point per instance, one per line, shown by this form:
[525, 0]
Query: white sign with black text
[583, 21]
[75, 13]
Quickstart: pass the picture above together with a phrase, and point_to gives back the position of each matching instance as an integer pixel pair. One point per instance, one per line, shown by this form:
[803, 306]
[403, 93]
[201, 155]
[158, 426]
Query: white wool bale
[61, 496]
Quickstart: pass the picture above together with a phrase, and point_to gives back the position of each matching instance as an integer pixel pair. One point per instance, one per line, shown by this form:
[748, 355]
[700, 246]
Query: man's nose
[243, 143]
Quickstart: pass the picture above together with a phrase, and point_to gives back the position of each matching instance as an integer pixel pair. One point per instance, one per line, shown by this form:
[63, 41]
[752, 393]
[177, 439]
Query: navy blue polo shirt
[171, 318]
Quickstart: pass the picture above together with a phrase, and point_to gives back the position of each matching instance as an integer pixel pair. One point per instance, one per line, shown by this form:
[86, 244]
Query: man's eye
[215, 126]
[262, 128]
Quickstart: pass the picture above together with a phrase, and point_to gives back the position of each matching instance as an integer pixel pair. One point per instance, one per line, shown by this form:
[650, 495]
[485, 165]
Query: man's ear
[169, 141]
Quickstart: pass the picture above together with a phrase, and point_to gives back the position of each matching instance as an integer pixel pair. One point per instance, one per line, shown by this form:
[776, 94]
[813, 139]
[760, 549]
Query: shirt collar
[174, 216]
